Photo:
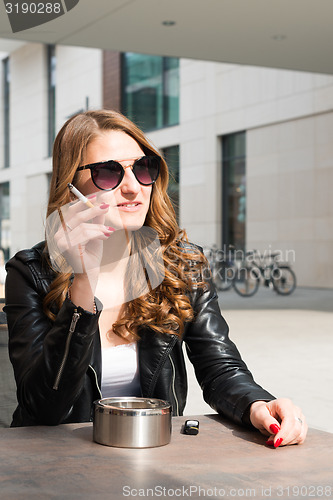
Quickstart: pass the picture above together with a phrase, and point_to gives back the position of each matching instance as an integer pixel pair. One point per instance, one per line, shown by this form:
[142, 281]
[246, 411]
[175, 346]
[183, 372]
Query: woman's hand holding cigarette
[80, 239]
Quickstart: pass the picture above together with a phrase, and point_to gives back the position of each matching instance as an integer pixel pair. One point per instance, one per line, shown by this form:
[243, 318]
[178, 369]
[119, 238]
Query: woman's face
[129, 202]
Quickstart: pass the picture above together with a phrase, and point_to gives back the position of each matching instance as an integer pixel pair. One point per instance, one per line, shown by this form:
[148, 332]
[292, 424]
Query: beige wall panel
[296, 201]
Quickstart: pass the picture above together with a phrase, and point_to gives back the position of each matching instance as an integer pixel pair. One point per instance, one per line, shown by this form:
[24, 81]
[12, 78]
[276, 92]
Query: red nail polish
[104, 206]
[274, 428]
[278, 442]
[111, 228]
[91, 196]
[107, 234]
[269, 442]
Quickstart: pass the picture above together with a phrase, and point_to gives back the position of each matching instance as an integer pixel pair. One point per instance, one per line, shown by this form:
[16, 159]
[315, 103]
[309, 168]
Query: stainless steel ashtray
[130, 422]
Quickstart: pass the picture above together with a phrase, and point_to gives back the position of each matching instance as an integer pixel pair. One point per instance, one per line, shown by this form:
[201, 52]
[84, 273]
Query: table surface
[222, 461]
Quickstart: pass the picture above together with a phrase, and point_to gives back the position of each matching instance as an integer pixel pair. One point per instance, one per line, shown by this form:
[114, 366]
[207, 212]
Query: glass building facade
[150, 90]
[4, 219]
[6, 111]
[171, 156]
[51, 95]
[234, 190]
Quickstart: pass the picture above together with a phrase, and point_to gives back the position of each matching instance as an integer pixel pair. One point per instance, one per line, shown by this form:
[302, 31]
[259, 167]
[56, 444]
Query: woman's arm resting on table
[227, 384]
[281, 420]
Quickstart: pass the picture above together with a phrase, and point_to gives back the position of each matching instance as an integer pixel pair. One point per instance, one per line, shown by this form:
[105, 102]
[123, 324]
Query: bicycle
[277, 275]
[222, 267]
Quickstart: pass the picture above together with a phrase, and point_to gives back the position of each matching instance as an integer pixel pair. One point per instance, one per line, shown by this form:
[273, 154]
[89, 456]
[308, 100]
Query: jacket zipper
[71, 330]
[173, 385]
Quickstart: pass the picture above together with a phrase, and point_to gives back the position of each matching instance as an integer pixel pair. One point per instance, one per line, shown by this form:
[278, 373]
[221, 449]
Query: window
[6, 109]
[48, 180]
[51, 96]
[150, 94]
[234, 190]
[171, 155]
[4, 219]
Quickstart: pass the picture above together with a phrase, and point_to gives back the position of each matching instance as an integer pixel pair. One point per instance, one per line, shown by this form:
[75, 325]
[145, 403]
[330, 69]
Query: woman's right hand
[78, 235]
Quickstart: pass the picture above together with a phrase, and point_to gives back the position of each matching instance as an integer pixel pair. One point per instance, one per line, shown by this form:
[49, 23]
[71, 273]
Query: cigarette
[79, 195]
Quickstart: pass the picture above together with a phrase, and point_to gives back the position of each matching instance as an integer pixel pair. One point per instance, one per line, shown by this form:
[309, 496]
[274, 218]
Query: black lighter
[191, 427]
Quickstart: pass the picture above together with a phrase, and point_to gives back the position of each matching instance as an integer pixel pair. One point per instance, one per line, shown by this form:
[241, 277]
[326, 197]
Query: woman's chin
[126, 223]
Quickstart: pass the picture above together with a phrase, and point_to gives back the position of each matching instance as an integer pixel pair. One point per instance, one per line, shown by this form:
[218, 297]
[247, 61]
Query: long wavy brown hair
[166, 308]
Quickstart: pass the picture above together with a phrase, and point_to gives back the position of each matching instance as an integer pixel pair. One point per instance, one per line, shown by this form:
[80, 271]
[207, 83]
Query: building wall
[288, 121]
[289, 182]
[79, 81]
[28, 144]
[112, 80]
[78, 78]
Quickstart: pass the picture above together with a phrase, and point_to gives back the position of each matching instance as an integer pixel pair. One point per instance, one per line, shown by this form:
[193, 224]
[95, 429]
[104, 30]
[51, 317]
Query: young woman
[120, 246]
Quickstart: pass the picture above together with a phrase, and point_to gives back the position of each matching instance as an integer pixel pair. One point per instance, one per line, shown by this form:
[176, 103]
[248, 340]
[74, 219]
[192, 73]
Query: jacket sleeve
[50, 359]
[227, 384]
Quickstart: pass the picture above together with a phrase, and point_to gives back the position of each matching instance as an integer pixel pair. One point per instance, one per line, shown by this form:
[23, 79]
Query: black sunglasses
[108, 175]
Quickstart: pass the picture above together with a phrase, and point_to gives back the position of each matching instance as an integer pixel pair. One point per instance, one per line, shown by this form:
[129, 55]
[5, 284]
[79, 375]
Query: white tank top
[120, 372]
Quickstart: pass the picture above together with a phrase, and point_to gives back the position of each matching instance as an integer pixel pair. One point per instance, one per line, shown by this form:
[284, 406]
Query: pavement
[287, 343]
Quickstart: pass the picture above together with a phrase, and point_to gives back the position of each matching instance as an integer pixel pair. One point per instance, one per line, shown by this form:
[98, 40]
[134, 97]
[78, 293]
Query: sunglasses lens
[107, 176]
[146, 169]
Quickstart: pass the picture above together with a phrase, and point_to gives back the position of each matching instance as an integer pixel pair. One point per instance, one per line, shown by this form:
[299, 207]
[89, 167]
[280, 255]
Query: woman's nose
[129, 184]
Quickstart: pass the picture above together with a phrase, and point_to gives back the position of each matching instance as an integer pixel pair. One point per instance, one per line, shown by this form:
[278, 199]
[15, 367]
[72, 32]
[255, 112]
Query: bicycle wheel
[284, 280]
[223, 276]
[246, 281]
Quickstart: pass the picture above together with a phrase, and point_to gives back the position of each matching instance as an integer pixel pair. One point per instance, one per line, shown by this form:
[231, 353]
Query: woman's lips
[128, 203]
[130, 206]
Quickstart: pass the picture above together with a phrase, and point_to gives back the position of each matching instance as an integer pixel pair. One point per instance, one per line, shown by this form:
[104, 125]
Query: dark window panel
[6, 110]
[234, 190]
[150, 95]
[4, 219]
[51, 95]
[171, 155]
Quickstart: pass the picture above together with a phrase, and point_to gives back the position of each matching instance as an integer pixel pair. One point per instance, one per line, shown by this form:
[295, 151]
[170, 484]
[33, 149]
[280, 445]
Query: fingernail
[107, 234]
[278, 442]
[91, 196]
[269, 442]
[274, 428]
[111, 228]
[104, 206]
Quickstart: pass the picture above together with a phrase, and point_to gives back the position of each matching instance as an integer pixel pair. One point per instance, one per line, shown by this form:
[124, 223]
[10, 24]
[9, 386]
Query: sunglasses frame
[91, 167]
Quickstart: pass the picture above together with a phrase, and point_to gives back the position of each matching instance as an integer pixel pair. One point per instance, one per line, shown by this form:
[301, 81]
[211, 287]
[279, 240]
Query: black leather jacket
[57, 365]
